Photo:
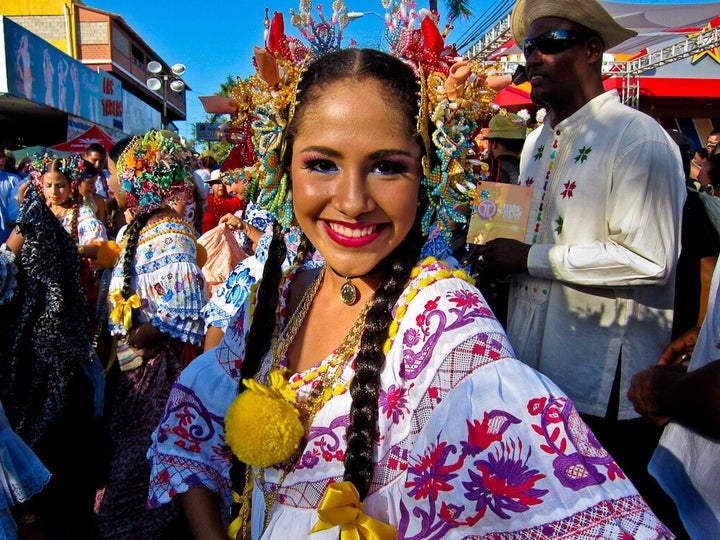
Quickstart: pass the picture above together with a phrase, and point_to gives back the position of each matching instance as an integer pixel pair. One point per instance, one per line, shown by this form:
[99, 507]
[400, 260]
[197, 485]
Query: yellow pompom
[262, 430]
[107, 254]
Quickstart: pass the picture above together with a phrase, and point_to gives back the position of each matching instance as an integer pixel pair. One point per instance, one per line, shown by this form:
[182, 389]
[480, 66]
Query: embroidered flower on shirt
[504, 484]
[569, 188]
[539, 152]
[482, 434]
[560, 221]
[529, 181]
[394, 402]
[465, 299]
[432, 474]
[583, 154]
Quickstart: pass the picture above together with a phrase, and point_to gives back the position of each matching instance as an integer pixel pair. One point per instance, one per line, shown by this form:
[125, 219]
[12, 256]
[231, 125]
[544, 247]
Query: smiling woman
[398, 410]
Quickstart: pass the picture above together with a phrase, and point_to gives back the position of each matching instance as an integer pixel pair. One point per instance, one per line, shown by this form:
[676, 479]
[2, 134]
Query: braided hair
[402, 89]
[131, 238]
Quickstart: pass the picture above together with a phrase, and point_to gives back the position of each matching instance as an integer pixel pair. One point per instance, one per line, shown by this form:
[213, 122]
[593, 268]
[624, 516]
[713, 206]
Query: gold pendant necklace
[348, 291]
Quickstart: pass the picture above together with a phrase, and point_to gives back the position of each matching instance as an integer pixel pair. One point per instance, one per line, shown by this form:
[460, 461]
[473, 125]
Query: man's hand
[649, 390]
[504, 256]
[680, 349]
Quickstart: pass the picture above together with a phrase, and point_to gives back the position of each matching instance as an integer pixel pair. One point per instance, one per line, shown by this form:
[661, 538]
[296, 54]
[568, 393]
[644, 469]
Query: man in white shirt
[592, 297]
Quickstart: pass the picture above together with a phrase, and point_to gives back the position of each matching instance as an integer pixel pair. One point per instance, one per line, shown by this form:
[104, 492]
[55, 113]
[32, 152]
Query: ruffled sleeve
[188, 447]
[473, 441]
[22, 473]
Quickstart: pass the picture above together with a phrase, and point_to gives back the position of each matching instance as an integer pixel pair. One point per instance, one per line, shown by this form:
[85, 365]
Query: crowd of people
[302, 341]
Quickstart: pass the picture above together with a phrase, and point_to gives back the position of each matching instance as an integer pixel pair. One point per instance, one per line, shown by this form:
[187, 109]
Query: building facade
[65, 66]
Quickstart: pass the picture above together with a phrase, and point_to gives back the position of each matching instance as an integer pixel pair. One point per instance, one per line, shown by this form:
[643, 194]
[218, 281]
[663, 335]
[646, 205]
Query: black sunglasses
[552, 42]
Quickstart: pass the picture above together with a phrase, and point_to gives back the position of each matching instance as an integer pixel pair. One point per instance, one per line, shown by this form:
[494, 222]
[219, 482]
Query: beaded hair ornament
[454, 100]
[71, 166]
[155, 169]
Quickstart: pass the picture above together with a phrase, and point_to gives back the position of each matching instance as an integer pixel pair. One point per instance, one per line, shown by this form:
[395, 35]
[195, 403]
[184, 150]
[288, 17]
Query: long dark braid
[74, 216]
[131, 238]
[261, 329]
[303, 251]
[365, 386]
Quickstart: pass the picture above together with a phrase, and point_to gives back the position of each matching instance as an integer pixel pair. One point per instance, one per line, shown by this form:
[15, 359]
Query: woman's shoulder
[439, 313]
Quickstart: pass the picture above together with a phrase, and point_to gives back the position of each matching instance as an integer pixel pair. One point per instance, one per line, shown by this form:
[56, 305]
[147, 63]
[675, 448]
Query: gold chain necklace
[298, 317]
[327, 374]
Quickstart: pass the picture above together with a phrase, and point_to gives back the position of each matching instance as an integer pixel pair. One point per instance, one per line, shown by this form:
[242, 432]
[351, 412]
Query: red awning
[79, 144]
[512, 96]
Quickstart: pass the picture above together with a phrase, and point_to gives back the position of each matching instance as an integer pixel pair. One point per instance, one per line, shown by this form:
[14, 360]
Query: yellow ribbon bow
[341, 506]
[123, 308]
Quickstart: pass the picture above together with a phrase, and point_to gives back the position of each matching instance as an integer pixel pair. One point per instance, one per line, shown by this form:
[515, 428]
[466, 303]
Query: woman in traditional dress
[378, 395]
[50, 383]
[156, 292]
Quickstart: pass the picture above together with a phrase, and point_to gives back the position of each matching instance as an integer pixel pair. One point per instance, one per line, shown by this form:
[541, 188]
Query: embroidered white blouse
[470, 441]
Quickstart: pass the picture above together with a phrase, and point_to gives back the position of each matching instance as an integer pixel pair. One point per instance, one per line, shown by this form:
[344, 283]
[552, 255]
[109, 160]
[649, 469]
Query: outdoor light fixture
[161, 80]
[353, 15]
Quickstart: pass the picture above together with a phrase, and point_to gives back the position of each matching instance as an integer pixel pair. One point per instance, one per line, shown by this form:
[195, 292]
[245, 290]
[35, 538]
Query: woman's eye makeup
[319, 165]
[389, 167]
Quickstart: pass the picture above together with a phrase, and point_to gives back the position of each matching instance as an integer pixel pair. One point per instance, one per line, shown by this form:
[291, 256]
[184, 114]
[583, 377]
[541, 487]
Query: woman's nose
[352, 195]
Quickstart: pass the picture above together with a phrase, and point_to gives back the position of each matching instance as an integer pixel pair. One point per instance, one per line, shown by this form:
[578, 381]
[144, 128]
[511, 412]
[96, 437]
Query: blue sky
[214, 38]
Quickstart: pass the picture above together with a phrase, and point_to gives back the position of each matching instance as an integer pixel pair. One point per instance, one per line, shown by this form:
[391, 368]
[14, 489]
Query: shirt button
[557, 133]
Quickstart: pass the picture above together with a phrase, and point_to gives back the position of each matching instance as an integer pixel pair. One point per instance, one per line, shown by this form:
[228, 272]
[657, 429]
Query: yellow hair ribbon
[123, 308]
[341, 506]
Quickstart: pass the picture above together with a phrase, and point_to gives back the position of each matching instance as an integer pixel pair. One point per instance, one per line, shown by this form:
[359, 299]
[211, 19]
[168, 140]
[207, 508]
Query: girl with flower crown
[156, 292]
[378, 393]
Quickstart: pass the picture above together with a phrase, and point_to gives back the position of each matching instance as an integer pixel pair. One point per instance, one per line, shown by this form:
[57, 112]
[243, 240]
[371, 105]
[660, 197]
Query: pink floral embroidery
[465, 299]
[394, 402]
[482, 435]
[568, 191]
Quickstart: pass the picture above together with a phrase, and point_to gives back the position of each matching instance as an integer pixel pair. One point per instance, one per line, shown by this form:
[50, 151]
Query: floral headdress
[455, 99]
[155, 169]
[71, 166]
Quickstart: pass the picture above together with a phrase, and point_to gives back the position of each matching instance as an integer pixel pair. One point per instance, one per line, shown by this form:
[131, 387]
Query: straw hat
[506, 127]
[585, 12]
[215, 176]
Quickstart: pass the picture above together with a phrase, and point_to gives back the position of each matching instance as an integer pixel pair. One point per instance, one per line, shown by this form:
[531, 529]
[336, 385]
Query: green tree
[456, 8]
[217, 149]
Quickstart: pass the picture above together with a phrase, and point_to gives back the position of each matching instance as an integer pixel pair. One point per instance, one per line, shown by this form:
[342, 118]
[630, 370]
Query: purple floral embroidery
[324, 443]
[578, 452]
[411, 337]
[433, 322]
[432, 474]
[394, 402]
[503, 483]
[188, 421]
